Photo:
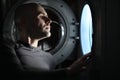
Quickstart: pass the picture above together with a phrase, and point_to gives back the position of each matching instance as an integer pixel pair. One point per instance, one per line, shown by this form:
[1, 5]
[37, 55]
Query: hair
[24, 12]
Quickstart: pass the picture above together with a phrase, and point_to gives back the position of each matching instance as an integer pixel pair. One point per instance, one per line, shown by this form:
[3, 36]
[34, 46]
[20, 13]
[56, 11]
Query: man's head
[32, 20]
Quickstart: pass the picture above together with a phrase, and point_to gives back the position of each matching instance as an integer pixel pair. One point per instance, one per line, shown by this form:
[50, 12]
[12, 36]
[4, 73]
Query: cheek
[40, 23]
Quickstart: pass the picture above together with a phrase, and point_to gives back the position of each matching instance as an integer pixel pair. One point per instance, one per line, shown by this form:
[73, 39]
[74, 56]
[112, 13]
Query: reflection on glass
[86, 30]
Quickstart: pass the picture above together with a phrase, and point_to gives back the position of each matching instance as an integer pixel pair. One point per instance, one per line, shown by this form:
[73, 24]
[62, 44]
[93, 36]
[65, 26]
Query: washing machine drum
[63, 30]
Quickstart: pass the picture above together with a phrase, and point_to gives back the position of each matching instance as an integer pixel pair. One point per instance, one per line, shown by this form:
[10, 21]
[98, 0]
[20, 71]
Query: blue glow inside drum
[86, 30]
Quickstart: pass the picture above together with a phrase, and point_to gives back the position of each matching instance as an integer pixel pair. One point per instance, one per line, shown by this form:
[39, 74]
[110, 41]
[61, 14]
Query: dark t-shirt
[23, 62]
[34, 59]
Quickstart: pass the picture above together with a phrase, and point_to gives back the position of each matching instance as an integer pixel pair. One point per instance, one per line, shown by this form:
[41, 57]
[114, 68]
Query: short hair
[24, 11]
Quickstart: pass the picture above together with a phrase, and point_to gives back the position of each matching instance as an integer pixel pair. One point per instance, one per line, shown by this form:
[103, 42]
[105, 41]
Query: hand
[79, 64]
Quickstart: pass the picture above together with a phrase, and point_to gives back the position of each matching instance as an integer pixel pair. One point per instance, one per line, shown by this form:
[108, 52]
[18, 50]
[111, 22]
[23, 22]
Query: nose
[48, 21]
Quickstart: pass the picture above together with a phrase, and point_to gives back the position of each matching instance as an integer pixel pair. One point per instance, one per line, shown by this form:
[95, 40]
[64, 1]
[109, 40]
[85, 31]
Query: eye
[42, 16]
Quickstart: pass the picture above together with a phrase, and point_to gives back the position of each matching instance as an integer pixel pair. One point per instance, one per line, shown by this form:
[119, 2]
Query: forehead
[41, 10]
[30, 10]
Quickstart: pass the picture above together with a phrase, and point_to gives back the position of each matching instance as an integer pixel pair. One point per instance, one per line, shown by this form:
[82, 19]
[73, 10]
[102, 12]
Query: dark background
[108, 37]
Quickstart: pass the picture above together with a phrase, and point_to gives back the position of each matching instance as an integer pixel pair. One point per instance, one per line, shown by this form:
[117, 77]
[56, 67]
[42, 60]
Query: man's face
[39, 25]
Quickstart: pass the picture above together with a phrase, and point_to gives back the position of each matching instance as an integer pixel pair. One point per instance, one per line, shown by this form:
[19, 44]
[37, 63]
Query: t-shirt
[24, 62]
[35, 59]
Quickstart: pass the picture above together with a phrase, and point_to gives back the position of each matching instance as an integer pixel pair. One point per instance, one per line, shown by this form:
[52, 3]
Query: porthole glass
[86, 29]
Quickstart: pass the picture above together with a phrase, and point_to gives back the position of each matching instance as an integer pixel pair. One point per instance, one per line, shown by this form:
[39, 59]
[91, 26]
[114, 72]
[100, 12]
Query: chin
[49, 34]
[46, 35]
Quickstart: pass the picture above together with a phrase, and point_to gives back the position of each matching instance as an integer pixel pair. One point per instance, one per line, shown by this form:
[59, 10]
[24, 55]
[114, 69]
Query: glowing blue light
[86, 30]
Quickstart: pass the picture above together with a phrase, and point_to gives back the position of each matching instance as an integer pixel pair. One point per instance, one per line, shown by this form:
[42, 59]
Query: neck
[33, 42]
[29, 40]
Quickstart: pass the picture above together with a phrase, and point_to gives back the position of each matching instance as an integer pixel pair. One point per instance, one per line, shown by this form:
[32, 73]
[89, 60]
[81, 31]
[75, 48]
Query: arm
[79, 65]
[12, 66]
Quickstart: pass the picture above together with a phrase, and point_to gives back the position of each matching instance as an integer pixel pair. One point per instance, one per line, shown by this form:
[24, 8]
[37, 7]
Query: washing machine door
[64, 31]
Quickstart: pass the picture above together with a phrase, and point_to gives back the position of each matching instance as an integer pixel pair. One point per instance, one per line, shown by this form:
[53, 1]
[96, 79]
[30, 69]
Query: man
[33, 24]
